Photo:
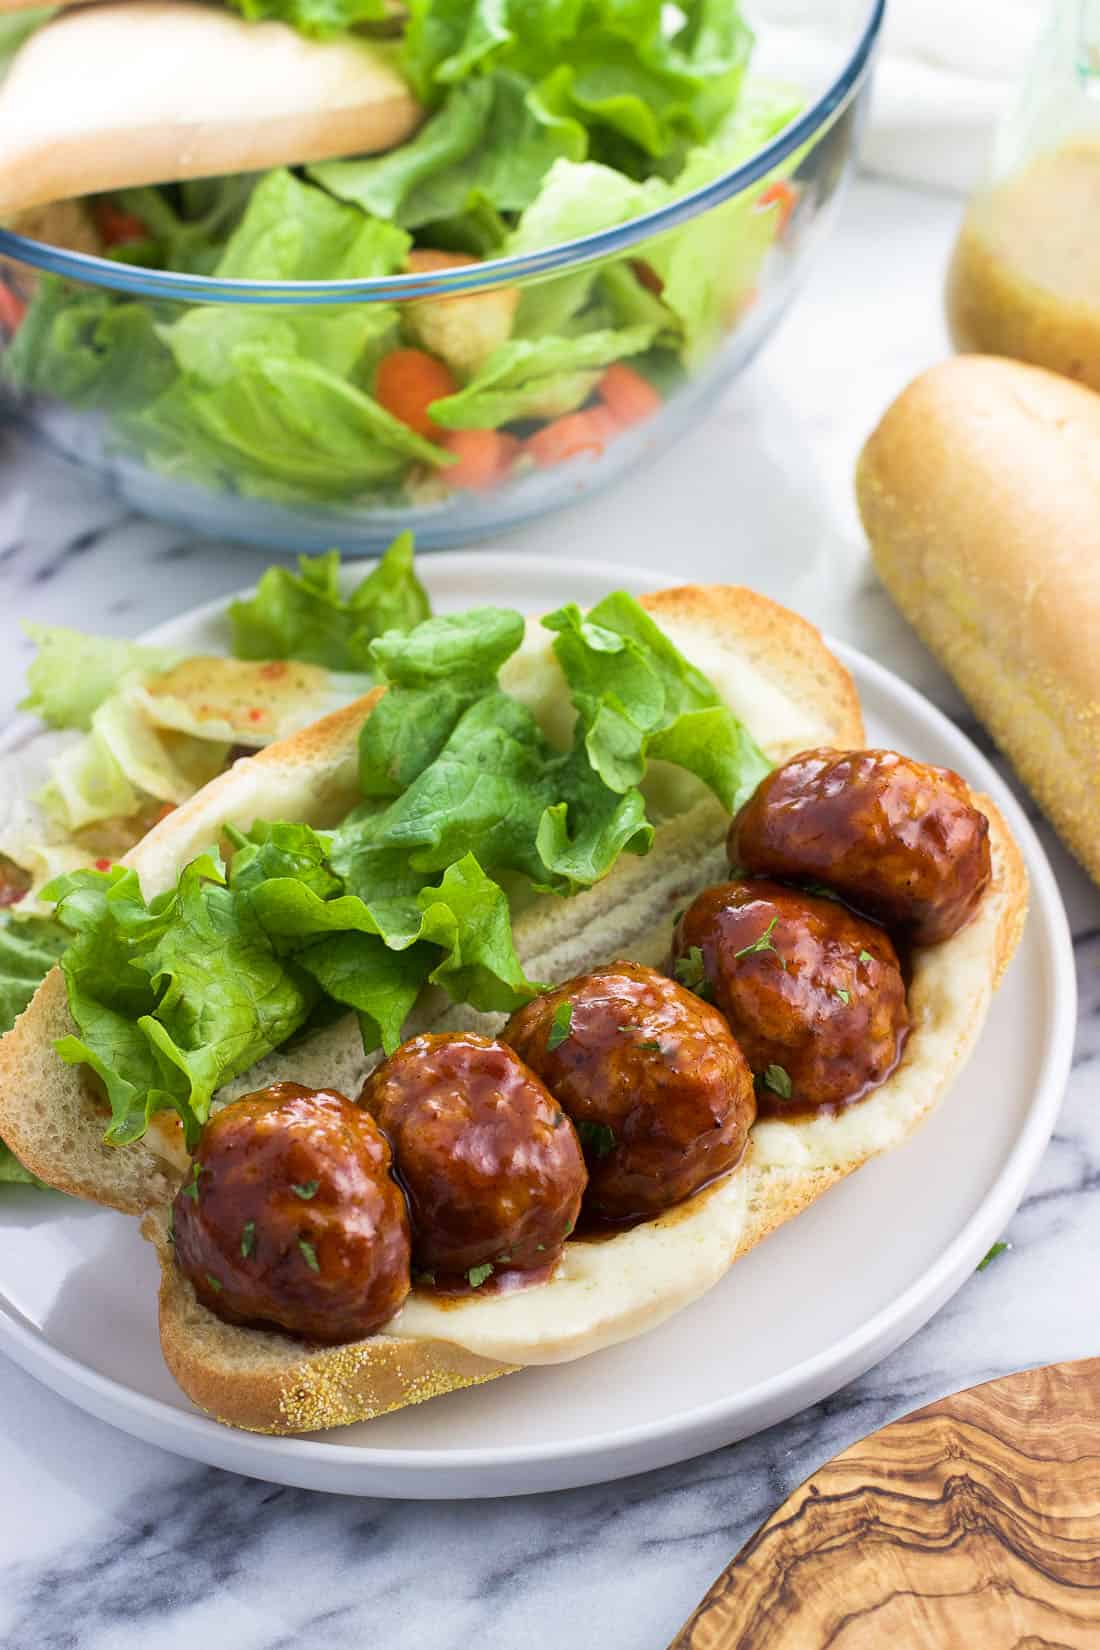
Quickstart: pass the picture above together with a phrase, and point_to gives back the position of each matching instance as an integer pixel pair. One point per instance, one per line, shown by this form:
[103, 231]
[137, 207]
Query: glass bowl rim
[91, 270]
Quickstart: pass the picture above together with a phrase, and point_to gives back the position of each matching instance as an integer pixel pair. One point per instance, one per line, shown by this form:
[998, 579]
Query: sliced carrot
[784, 197]
[579, 432]
[407, 382]
[628, 396]
[12, 310]
[115, 226]
[484, 458]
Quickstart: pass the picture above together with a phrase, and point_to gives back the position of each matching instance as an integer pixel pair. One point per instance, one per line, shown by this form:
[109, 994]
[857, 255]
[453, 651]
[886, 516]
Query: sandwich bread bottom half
[775, 672]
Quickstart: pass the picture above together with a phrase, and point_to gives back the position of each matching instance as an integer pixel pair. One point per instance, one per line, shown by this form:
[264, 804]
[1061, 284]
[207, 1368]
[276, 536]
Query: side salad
[467, 804]
[541, 123]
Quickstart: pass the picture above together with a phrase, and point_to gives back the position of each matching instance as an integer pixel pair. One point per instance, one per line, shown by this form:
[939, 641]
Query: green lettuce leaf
[275, 849]
[123, 761]
[490, 144]
[291, 232]
[304, 616]
[313, 17]
[88, 348]
[281, 427]
[613, 66]
[29, 947]
[537, 377]
[187, 223]
[710, 266]
[376, 956]
[12, 1172]
[638, 697]
[174, 998]
[500, 790]
[706, 267]
[435, 673]
[72, 674]
[266, 399]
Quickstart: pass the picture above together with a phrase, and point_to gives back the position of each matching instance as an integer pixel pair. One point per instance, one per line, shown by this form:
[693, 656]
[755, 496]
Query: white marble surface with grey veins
[107, 1544]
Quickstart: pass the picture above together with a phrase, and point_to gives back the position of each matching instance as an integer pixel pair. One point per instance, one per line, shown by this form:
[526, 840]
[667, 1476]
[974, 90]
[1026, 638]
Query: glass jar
[1024, 279]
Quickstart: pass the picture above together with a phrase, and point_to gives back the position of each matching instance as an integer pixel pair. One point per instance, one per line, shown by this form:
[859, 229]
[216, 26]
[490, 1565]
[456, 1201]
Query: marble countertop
[107, 1544]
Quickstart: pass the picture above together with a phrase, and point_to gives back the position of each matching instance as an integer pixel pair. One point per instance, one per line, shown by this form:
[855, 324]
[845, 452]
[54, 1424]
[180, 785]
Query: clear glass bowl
[749, 234]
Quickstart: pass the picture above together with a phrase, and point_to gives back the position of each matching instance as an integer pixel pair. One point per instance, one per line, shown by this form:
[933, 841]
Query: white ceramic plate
[815, 1305]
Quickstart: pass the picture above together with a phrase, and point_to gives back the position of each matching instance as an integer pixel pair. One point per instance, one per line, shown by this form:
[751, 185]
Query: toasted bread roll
[980, 494]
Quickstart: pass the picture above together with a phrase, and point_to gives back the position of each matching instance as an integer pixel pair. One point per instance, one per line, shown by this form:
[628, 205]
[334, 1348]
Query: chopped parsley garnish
[248, 1238]
[777, 1078]
[656, 1047]
[763, 943]
[679, 917]
[560, 1026]
[171, 1227]
[476, 1276]
[213, 1282]
[691, 971]
[424, 1277]
[841, 996]
[987, 1260]
[865, 957]
[191, 1190]
[569, 1229]
[504, 1260]
[309, 1255]
[597, 1138]
[306, 1190]
[820, 891]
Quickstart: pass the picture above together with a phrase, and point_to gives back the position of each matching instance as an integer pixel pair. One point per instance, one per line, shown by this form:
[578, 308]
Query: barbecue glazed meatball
[491, 1165]
[291, 1217]
[813, 993]
[896, 839]
[658, 1089]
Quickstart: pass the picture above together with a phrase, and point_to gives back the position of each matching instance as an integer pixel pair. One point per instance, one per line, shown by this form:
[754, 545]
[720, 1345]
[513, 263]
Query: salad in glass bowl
[603, 210]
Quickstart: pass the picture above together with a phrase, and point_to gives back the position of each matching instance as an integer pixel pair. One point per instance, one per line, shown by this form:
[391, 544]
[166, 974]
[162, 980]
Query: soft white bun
[153, 91]
[776, 673]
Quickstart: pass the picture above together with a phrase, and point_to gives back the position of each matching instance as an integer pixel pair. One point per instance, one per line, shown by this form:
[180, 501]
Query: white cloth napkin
[947, 71]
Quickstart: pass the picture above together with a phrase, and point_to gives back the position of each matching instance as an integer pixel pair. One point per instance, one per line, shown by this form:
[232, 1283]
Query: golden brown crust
[980, 495]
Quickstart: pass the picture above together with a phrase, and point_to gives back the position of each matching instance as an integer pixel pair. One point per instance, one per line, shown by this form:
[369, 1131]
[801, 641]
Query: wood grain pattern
[972, 1524]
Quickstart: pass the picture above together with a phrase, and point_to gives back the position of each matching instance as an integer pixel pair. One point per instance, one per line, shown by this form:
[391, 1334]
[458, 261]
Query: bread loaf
[980, 495]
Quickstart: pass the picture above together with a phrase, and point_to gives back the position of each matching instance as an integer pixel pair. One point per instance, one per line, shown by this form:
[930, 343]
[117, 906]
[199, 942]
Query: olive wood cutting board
[972, 1524]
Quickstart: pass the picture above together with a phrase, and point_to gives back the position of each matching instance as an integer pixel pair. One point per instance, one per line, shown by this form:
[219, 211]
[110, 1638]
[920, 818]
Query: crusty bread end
[980, 496]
